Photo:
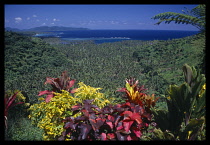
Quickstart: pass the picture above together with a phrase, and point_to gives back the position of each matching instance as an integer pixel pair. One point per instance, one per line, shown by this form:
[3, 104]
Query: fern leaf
[196, 17]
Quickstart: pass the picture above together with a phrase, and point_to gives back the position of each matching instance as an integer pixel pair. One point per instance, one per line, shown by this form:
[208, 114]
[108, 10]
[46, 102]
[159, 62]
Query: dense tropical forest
[155, 64]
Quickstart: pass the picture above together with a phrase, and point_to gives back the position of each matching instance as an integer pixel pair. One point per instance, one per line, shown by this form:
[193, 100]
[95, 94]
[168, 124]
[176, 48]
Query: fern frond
[196, 17]
[199, 11]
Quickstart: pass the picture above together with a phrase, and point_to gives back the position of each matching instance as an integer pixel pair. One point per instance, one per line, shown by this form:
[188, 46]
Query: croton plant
[137, 95]
[121, 122]
[58, 84]
[113, 122]
[9, 102]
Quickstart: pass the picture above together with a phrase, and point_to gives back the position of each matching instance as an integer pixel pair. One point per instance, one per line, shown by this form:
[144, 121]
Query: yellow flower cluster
[49, 116]
[85, 92]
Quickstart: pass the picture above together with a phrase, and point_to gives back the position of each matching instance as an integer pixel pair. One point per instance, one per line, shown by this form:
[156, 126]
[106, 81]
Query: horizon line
[105, 28]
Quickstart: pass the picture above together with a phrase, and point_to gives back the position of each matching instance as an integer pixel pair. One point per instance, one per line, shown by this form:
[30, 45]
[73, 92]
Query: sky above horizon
[93, 16]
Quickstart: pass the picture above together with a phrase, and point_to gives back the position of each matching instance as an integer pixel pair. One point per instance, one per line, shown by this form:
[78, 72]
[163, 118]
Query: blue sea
[103, 36]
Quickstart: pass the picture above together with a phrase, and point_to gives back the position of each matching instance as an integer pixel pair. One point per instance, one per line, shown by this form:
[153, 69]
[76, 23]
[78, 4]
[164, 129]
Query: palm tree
[195, 17]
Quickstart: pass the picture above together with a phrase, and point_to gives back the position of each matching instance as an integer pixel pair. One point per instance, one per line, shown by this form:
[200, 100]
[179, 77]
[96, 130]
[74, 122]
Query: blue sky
[92, 16]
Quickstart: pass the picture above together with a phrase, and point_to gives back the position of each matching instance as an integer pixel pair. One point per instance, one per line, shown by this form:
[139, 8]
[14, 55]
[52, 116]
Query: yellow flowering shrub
[49, 116]
[85, 92]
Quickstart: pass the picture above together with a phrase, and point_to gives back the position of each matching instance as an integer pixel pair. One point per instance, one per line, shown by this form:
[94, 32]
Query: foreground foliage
[114, 122]
[185, 117]
[49, 113]
[122, 122]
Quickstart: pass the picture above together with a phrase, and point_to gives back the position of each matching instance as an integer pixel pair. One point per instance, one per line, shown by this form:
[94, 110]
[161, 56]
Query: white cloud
[18, 19]
[44, 24]
[7, 21]
[28, 18]
[114, 22]
[34, 16]
[55, 20]
[52, 23]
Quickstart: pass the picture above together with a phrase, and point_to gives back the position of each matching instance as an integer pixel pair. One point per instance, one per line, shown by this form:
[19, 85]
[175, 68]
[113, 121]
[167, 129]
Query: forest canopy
[156, 64]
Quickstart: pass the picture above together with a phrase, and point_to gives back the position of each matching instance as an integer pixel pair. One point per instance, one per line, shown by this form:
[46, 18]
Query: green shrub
[185, 117]
[22, 130]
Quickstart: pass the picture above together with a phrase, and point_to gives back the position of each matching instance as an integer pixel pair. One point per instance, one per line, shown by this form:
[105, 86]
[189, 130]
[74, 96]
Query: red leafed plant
[8, 103]
[58, 84]
[113, 122]
[136, 94]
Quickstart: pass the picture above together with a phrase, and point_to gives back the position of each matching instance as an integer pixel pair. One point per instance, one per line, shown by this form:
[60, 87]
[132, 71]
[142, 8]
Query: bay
[103, 36]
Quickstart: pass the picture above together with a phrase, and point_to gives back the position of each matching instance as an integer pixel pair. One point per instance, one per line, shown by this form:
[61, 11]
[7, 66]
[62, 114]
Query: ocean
[103, 36]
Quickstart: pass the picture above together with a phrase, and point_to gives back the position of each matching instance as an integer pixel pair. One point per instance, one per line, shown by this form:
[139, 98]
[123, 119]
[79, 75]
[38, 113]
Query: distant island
[46, 28]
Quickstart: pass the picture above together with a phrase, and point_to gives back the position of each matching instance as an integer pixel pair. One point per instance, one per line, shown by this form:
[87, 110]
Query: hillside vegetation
[156, 64]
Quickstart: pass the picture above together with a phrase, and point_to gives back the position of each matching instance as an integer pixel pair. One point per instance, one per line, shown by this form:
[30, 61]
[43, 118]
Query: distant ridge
[46, 28]
[12, 29]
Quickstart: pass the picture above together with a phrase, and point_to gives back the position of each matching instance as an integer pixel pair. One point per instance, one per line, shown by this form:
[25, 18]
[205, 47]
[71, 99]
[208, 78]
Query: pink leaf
[11, 99]
[126, 104]
[111, 118]
[71, 83]
[119, 126]
[129, 137]
[110, 124]
[137, 117]
[53, 81]
[44, 92]
[110, 136]
[73, 90]
[93, 123]
[48, 98]
[103, 136]
[10, 103]
[127, 125]
[49, 80]
[137, 132]
[127, 114]
[49, 95]
[76, 107]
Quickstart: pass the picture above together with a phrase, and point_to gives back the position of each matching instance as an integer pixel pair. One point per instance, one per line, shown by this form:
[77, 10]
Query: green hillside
[156, 64]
